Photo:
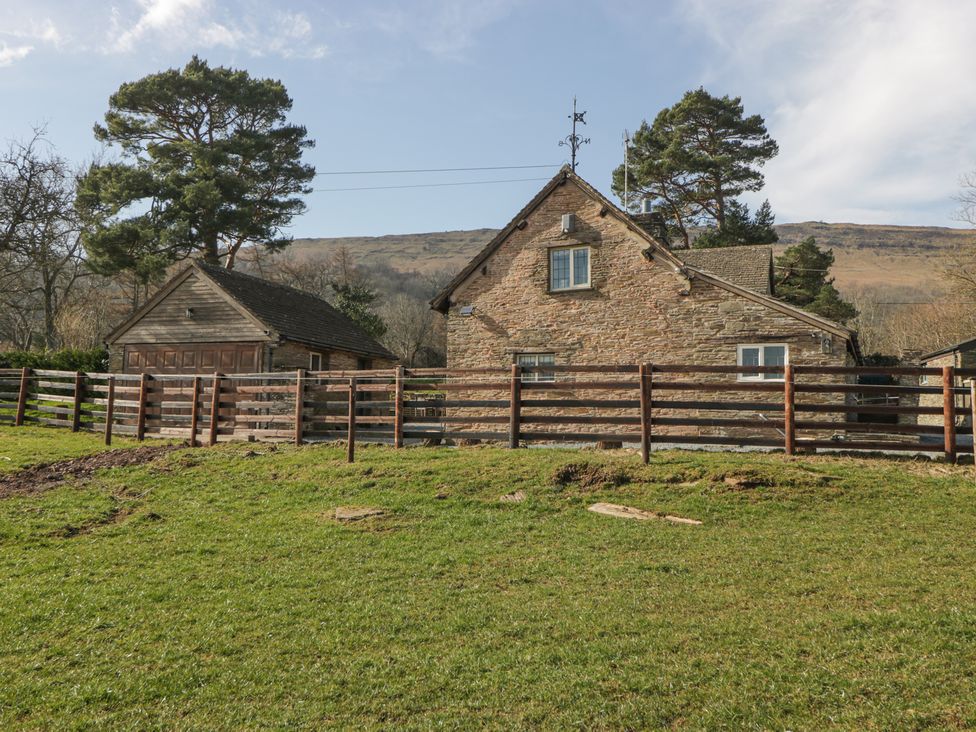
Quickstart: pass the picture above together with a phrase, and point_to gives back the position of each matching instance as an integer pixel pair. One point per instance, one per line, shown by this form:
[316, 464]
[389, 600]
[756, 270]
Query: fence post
[109, 409]
[79, 393]
[195, 412]
[141, 415]
[351, 437]
[299, 405]
[949, 412]
[515, 413]
[22, 396]
[398, 409]
[214, 409]
[644, 372]
[972, 413]
[789, 412]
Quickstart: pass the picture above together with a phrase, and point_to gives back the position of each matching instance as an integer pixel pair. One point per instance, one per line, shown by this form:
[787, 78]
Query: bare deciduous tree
[42, 255]
[414, 332]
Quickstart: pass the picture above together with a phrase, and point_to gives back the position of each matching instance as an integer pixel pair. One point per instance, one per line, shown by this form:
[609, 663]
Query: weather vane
[574, 141]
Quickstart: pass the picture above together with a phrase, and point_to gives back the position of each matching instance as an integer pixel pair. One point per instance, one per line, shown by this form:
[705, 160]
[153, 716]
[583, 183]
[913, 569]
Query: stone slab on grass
[356, 513]
[618, 511]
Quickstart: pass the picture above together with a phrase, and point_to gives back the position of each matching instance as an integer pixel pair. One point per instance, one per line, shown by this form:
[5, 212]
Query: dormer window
[569, 268]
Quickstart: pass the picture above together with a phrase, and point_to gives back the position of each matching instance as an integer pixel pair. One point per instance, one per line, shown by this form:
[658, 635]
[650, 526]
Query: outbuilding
[208, 319]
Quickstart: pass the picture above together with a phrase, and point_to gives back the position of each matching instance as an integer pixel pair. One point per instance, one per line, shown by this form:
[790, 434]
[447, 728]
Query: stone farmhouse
[573, 279]
[209, 319]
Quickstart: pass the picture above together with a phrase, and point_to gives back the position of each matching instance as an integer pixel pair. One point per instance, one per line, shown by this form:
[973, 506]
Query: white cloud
[171, 21]
[9, 54]
[252, 27]
[32, 31]
[871, 102]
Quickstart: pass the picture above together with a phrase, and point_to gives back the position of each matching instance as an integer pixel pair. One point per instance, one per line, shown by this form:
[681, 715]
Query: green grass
[20, 447]
[213, 590]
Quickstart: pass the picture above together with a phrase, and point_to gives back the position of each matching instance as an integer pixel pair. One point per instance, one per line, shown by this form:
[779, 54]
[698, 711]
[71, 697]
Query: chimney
[652, 222]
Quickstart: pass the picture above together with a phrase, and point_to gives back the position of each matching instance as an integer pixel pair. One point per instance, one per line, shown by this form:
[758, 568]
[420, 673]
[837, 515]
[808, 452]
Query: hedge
[67, 359]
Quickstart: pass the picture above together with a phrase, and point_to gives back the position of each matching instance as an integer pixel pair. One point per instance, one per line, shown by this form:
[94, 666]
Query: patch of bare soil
[588, 476]
[38, 478]
[741, 481]
[124, 504]
[939, 470]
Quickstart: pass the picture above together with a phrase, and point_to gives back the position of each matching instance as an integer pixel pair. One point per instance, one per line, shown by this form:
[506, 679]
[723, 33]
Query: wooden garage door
[193, 358]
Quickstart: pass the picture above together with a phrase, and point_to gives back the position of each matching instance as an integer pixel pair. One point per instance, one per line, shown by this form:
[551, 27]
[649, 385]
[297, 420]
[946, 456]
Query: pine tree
[208, 163]
[740, 228]
[803, 279]
[696, 158]
[355, 301]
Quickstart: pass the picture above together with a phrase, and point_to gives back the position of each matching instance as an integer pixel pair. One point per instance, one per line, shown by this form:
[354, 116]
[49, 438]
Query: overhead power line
[434, 170]
[430, 185]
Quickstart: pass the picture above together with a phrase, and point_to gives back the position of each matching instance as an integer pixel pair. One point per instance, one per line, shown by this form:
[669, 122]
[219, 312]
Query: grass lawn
[20, 447]
[212, 589]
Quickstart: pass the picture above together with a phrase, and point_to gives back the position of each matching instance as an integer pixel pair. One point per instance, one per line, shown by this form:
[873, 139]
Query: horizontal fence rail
[792, 407]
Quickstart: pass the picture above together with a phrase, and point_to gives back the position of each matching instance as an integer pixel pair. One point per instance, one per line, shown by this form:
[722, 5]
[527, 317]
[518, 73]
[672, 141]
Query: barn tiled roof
[295, 315]
[750, 266]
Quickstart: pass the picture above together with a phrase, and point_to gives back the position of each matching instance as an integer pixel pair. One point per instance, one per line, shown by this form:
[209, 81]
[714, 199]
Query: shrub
[67, 359]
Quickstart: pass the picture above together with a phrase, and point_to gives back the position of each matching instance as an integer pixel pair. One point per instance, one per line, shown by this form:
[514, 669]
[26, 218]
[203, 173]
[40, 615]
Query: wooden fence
[800, 408]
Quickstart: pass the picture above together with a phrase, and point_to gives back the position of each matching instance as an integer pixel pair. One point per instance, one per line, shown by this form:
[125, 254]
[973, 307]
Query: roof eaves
[961, 346]
[151, 303]
[379, 352]
[441, 301]
[776, 304]
[656, 249]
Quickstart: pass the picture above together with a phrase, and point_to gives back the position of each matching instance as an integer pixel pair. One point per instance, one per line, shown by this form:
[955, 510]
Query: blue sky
[873, 103]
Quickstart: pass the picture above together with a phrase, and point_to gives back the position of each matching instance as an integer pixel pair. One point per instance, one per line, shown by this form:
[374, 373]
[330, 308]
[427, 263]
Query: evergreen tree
[740, 229]
[355, 301]
[208, 163]
[803, 279]
[696, 158]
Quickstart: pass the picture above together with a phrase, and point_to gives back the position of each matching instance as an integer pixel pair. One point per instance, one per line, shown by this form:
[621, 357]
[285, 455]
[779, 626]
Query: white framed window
[762, 354]
[569, 268]
[537, 359]
[315, 361]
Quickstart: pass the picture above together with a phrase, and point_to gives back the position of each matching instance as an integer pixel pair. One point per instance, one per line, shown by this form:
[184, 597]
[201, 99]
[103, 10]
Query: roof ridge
[262, 280]
[243, 280]
[565, 174]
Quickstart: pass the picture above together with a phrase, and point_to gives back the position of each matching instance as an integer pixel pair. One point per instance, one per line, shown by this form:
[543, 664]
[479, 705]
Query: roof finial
[574, 141]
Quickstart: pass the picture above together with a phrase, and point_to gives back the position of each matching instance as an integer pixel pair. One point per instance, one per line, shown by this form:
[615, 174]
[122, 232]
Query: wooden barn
[209, 319]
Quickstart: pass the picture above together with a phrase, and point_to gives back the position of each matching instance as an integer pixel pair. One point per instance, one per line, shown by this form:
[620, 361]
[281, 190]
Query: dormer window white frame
[569, 268]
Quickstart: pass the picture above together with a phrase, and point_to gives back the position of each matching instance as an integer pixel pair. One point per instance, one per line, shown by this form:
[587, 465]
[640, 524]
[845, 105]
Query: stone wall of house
[966, 360]
[116, 356]
[635, 311]
[290, 356]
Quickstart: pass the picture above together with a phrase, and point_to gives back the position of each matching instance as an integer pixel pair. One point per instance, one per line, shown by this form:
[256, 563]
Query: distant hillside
[866, 255]
[433, 252]
[869, 255]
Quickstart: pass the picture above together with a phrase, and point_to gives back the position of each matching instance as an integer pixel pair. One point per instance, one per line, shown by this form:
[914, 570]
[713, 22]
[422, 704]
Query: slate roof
[293, 314]
[966, 345]
[750, 266]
